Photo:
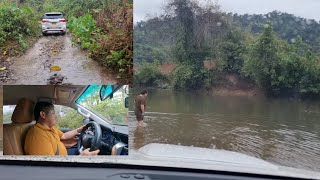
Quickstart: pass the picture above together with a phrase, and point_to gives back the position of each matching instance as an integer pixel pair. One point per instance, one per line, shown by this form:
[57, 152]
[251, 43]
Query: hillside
[287, 26]
[277, 51]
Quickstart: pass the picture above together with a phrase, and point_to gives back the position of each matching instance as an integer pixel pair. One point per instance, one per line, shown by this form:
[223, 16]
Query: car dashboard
[24, 169]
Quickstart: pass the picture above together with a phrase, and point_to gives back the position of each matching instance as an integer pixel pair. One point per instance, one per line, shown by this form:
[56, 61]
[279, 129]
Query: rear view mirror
[106, 91]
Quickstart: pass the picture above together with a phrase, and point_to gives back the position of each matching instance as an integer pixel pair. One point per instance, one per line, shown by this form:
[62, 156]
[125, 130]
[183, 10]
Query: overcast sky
[305, 8]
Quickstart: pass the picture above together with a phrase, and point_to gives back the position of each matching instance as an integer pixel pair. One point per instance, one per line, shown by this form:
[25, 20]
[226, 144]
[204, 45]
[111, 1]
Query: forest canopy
[278, 52]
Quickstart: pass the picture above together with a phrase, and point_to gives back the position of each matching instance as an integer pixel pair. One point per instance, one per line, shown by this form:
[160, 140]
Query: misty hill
[287, 26]
[155, 38]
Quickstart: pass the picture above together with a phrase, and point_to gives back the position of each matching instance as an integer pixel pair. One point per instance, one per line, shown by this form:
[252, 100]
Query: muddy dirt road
[76, 68]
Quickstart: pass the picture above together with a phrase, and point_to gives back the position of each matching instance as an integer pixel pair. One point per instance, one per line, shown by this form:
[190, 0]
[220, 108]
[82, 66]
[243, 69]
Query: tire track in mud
[76, 67]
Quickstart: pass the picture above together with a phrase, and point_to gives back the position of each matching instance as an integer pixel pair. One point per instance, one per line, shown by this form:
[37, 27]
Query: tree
[232, 50]
[263, 61]
[184, 15]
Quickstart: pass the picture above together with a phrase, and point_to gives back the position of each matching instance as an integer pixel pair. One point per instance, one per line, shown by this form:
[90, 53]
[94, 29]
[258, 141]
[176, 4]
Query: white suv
[54, 22]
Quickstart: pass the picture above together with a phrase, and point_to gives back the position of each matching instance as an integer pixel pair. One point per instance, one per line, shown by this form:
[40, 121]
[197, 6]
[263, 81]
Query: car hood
[212, 159]
[167, 155]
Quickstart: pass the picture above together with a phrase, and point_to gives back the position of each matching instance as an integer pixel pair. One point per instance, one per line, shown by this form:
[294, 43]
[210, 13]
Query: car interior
[97, 134]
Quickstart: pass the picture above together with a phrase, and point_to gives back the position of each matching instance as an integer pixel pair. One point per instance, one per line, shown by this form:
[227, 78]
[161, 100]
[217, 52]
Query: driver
[44, 138]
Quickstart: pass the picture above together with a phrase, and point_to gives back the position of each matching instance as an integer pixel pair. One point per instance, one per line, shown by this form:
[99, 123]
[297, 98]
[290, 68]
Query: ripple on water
[277, 133]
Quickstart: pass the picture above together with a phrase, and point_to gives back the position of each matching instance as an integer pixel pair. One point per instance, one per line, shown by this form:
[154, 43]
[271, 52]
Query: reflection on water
[140, 140]
[280, 131]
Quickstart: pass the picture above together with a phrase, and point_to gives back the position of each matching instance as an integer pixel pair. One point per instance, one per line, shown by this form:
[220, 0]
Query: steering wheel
[90, 137]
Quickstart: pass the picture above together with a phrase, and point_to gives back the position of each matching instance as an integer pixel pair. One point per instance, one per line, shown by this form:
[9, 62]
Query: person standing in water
[140, 106]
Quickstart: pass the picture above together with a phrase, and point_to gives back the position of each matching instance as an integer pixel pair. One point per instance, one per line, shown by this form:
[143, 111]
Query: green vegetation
[111, 110]
[106, 32]
[7, 117]
[232, 49]
[83, 27]
[150, 75]
[281, 68]
[18, 25]
[188, 77]
[70, 119]
[287, 26]
[278, 55]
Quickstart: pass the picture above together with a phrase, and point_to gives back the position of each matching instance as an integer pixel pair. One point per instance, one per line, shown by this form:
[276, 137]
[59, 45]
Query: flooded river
[281, 131]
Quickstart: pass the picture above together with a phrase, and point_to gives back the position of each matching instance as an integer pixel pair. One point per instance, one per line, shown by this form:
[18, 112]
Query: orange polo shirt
[44, 141]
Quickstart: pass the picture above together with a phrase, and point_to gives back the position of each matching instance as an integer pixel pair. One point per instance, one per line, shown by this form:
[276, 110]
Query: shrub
[17, 25]
[115, 48]
[150, 75]
[107, 34]
[83, 28]
[232, 49]
[188, 77]
[281, 68]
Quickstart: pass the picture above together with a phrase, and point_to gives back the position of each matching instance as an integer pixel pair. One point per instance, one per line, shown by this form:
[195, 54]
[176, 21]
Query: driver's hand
[86, 152]
[79, 130]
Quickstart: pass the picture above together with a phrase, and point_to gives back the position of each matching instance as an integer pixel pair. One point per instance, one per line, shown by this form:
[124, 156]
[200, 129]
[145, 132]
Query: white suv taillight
[62, 20]
[44, 20]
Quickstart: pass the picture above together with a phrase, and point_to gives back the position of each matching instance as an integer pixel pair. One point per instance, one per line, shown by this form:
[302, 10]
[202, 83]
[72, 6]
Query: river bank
[227, 84]
[215, 82]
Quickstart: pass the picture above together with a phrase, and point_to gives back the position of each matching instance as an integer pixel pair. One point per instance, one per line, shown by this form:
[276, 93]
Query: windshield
[223, 85]
[111, 110]
[53, 16]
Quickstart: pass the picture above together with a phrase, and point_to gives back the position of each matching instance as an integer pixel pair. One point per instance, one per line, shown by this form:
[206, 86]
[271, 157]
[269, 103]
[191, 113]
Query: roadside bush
[107, 34]
[17, 26]
[115, 48]
[83, 28]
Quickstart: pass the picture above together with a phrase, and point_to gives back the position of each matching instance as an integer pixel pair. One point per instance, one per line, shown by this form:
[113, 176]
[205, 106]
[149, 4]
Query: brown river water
[281, 131]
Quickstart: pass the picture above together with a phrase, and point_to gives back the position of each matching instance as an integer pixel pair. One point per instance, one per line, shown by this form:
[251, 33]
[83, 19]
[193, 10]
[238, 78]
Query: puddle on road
[76, 67]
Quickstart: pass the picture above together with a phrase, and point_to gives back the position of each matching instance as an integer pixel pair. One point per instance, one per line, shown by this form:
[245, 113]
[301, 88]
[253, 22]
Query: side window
[68, 118]
[7, 113]
[112, 110]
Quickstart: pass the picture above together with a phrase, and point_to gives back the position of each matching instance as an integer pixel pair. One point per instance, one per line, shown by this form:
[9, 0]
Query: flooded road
[76, 68]
[280, 131]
